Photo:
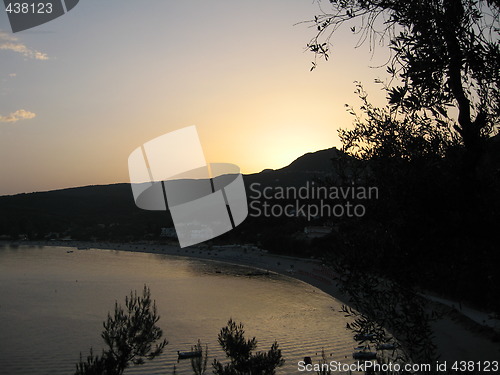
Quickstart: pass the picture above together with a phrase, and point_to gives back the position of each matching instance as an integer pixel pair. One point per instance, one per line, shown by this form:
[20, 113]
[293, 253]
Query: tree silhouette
[428, 149]
[239, 350]
[129, 334]
[199, 363]
[445, 53]
[382, 134]
[432, 227]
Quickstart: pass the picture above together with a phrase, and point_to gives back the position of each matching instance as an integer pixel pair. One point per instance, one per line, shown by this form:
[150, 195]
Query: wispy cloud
[11, 43]
[20, 114]
[6, 36]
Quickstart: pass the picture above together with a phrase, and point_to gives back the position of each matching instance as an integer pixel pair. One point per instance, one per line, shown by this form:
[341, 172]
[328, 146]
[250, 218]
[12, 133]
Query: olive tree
[445, 57]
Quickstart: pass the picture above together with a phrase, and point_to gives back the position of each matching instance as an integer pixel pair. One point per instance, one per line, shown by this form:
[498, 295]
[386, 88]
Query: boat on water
[185, 355]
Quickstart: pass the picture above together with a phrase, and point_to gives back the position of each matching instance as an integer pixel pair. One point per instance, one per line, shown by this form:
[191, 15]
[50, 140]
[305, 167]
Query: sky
[80, 93]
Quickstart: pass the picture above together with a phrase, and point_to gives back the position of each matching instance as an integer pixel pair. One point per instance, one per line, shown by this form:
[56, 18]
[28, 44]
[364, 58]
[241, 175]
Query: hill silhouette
[308, 167]
[109, 211]
[84, 212]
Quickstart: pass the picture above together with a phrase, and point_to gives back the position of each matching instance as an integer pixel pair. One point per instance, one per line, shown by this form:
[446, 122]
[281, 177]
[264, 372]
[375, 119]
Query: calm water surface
[53, 303]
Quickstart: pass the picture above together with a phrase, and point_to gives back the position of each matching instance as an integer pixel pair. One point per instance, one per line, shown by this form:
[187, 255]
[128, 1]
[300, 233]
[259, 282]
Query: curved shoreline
[458, 337]
[310, 271]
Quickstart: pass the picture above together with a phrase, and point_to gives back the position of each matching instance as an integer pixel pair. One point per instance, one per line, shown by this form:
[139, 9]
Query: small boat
[185, 355]
[364, 355]
[69, 251]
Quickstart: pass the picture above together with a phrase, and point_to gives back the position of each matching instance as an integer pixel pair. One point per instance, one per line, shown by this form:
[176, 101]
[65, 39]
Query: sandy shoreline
[310, 271]
[458, 337]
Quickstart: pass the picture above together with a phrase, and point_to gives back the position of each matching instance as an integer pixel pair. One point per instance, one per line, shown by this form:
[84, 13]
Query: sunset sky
[80, 93]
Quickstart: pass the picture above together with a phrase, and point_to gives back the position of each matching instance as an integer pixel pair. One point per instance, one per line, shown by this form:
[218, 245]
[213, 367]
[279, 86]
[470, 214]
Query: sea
[53, 301]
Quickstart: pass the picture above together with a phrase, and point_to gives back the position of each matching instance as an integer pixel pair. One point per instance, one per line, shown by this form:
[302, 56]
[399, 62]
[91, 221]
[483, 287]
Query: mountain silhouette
[112, 205]
[308, 167]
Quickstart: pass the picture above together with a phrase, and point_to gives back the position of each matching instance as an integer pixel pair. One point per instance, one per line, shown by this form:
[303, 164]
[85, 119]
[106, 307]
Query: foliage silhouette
[129, 334]
[444, 53]
[199, 364]
[432, 227]
[239, 350]
[382, 134]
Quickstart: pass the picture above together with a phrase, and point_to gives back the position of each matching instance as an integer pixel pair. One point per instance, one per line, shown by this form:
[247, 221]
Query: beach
[460, 335]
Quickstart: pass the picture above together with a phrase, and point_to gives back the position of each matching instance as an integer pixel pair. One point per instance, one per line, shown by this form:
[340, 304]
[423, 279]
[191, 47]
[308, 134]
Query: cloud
[11, 43]
[5, 36]
[20, 114]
